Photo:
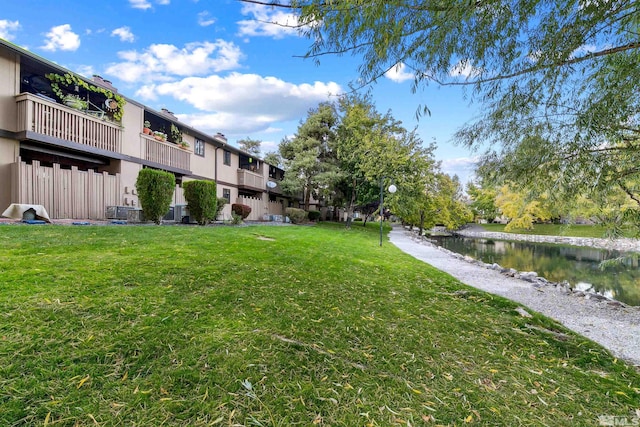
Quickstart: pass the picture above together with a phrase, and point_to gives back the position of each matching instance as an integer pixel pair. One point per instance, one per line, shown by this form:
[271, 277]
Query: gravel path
[613, 325]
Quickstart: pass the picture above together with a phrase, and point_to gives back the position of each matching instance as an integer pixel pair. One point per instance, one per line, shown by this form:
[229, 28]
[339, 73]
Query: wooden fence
[65, 193]
[260, 208]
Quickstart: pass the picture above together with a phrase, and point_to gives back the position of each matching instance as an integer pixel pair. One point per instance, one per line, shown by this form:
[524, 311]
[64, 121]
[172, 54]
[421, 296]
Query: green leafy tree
[371, 148]
[483, 201]
[309, 163]
[251, 146]
[202, 200]
[155, 191]
[521, 209]
[441, 201]
[273, 158]
[452, 209]
[558, 80]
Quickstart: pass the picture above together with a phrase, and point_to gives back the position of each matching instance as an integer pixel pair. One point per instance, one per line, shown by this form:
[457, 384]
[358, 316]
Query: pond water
[580, 266]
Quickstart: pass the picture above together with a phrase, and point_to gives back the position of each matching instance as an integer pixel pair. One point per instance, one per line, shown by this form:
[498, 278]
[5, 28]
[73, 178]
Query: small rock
[522, 312]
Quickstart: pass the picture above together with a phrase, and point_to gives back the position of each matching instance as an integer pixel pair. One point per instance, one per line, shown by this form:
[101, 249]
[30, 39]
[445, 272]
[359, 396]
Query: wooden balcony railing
[250, 179]
[165, 153]
[46, 117]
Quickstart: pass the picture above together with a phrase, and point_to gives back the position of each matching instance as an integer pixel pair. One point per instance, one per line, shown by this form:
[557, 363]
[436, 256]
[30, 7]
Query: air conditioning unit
[117, 212]
[181, 213]
[170, 215]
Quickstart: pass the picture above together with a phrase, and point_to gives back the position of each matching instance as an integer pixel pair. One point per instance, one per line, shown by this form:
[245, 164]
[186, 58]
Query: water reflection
[577, 265]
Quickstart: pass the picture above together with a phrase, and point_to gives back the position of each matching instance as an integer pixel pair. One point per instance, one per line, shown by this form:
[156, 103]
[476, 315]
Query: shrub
[221, 202]
[313, 215]
[202, 200]
[242, 210]
[155, 191]
[296, 215]
[235, 218]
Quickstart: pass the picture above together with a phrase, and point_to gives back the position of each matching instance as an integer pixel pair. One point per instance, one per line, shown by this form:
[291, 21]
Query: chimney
[169, 113]
[104, 83]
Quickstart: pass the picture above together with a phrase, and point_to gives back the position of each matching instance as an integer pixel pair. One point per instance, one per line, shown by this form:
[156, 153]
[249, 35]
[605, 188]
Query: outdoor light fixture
[392, 189]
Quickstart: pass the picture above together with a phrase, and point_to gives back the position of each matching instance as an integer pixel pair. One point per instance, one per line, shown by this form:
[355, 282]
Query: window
[227, 158]
[226, 193]
[198, 148]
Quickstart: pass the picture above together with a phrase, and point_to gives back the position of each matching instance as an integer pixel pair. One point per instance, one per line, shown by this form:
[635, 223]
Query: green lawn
[598, 231]
[275, 326]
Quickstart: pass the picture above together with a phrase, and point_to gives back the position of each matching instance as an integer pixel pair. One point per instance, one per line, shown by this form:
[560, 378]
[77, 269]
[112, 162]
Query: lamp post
[392, 189]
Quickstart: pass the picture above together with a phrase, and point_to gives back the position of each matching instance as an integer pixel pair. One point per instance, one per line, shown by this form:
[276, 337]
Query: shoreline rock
[528, 276]
[622, 244]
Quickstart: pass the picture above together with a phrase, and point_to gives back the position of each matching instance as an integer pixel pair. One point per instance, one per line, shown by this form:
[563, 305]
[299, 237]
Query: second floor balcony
[47, 118]
[165, 153]
[250, 180]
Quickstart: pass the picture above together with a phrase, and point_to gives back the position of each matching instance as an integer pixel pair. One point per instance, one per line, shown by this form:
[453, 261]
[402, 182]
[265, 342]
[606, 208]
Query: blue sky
[219, 68]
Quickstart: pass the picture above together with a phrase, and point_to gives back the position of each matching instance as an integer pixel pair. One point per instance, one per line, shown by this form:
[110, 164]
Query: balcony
[48, 118]
[250, 180]
[165, 153]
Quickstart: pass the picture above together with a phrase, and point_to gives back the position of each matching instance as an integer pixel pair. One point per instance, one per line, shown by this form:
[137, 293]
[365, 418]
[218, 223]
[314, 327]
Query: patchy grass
[275, 326]
[597, 231]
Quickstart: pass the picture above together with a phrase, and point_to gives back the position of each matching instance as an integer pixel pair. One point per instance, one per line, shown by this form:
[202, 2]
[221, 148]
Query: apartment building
[75, 146]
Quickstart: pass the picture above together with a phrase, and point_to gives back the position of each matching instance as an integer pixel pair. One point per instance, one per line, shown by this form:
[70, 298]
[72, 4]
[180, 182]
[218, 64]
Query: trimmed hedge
[202, 200]
[155, 192]
[296, 215]
[313, 215]
[241, 210]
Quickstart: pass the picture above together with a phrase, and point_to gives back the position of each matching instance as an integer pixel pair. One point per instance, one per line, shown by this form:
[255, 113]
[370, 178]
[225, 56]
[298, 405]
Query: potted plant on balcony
[74, 101]
[160, 136]
[147, 128]
[73, 82]
[183, 144]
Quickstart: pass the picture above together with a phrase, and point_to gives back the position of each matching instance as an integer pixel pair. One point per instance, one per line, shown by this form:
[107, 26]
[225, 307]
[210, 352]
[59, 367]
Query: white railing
[46, 117]
[165, 153]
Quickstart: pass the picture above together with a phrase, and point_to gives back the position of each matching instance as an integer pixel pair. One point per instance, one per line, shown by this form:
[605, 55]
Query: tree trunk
[350, 207]
[307, 197]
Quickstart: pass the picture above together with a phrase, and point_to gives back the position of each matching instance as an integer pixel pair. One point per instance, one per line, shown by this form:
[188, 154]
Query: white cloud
[464, 167]
[242, 103]
[85, 70]
[465, 69]
[399, 73]
[160, 61]
[267, 22]
[61, 38]
[146, 4]
[140, 4]
[204, 19]
[584, 50]
[7, 29]
[124, 33]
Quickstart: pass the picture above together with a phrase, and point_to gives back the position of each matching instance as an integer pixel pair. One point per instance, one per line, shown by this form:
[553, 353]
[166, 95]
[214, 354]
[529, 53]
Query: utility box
[117, 212]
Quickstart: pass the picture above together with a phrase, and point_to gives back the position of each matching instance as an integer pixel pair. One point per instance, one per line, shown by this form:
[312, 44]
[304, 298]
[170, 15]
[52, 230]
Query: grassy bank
[275, 326]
